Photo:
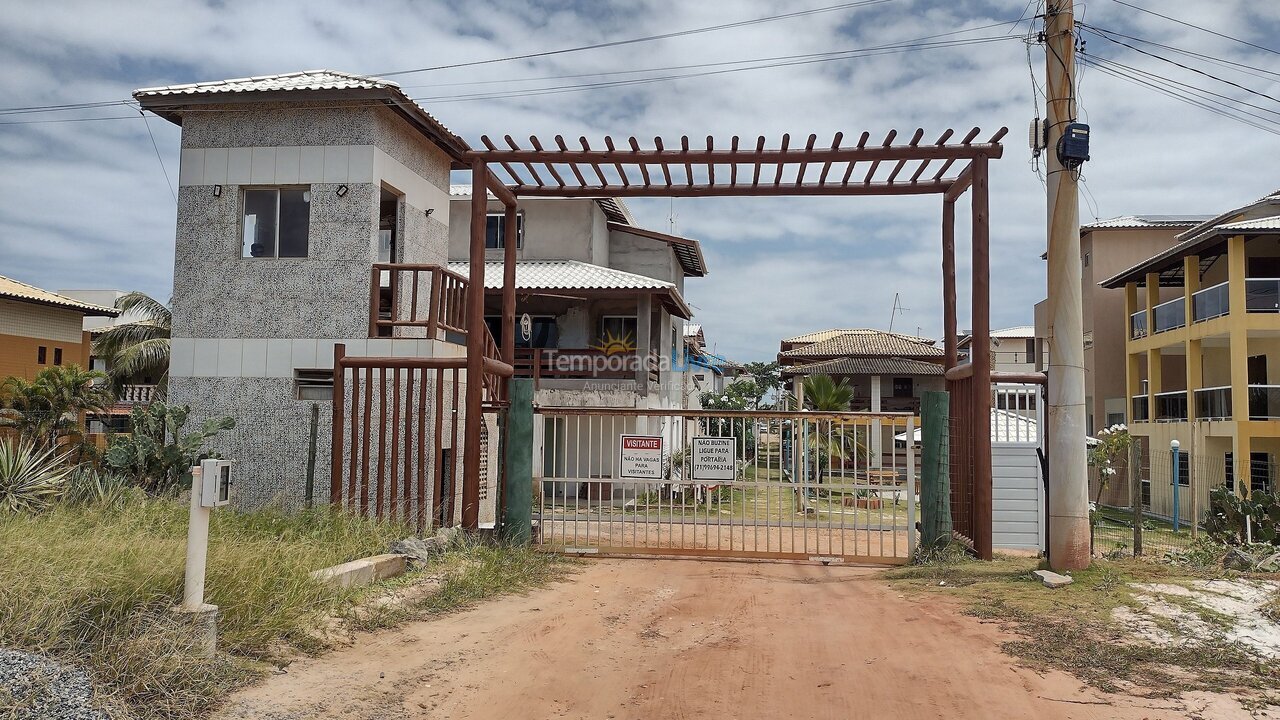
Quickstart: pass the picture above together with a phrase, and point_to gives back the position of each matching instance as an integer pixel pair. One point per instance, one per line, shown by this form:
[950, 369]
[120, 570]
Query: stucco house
[41, 329]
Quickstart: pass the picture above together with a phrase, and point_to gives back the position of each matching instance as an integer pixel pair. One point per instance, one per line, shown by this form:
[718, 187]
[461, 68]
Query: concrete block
[202, 623]
[1052, 579]
[364, 571]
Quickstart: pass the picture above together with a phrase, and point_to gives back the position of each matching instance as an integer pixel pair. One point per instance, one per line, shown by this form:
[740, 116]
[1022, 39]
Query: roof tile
[15, 290]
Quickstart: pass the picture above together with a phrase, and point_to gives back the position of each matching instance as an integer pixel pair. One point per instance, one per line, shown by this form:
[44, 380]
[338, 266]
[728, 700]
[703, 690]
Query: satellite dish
[526, 327]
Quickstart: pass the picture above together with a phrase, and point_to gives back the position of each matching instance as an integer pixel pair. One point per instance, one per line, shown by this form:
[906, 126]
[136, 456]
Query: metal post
[311, 454]
[1068, 478]
[475, 351]
[1135, 497]
[337, 441]
[1173, 445]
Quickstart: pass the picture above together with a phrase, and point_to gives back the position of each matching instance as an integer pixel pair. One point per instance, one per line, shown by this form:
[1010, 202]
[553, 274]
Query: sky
[87, 203]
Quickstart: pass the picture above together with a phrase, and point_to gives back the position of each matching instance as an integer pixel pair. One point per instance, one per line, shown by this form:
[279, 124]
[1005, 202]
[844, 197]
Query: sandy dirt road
[693, 639]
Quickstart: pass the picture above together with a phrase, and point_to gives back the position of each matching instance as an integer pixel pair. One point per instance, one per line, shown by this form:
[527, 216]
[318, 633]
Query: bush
[31, 479]
[158, 455]
[1229, 515]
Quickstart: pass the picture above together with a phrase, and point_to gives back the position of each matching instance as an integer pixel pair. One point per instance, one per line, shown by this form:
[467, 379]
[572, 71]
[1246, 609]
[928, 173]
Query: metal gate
[835, 487]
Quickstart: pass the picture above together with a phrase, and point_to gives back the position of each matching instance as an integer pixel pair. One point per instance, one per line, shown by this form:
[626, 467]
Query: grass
[93, 586]
[1073, 628]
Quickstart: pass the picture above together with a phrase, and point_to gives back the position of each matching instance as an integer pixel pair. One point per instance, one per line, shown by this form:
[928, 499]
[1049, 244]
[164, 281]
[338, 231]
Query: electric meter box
[215, 476]
[1073, 148]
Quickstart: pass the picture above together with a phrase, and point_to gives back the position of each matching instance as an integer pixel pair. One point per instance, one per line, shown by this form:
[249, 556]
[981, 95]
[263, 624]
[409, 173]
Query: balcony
[887, 404]
[1169, 315]
[1262, 295]
[1138, 325]
[1171, 406]
[1264, 402]
[582, 364]
[1213, 403]
[1141, 410]
[1211, 302]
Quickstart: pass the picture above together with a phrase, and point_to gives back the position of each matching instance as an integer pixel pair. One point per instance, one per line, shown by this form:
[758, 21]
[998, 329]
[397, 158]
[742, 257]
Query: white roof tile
[564, 275]
[1146, 221]
[1264, 223]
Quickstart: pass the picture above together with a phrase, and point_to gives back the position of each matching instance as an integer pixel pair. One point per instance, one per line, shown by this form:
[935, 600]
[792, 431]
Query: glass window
[903, 387]
[276, 222]
[495, 231]
[42, 355]
[617, 331]
[57, 356]
[545, 333]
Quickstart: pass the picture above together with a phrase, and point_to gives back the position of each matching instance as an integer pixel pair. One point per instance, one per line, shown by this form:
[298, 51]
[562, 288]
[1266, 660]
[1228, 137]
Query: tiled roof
[866, 342]
[13, 290]
[867, 366]
[564, 275]
[166, 101]
[1146, 221]
[1195, 241]
[692, 330]
[820, 335]
[614, 209]
[1264, 223]
[1017, 331]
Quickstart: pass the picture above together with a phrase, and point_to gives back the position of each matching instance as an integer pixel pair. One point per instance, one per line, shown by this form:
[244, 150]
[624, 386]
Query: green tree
[767, 377]
[138, 349]
[821, 392]
[53, 405]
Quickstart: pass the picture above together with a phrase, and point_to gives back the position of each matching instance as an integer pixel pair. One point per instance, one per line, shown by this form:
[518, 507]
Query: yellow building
[40, 329]
[1203, 361]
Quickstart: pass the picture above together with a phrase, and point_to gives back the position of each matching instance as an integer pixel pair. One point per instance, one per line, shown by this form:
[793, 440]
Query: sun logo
[611, 344]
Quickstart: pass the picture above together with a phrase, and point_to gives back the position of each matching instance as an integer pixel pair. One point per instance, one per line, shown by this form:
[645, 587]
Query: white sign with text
[713, 458]
[640, 457]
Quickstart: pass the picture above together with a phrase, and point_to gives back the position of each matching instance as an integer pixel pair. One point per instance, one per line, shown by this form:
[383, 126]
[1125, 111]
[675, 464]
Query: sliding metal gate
[836, 487]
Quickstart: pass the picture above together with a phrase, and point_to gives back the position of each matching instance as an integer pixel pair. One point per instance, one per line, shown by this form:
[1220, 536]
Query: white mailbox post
[210, 488]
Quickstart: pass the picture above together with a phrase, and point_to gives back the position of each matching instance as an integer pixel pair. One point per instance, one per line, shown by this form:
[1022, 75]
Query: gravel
[33, 686]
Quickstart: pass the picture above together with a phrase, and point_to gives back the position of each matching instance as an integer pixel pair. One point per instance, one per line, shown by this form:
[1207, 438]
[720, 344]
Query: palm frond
[149, 308]
[146, 357]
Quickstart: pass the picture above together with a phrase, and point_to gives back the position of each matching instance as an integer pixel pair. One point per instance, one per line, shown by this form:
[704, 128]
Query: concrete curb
[364, 571]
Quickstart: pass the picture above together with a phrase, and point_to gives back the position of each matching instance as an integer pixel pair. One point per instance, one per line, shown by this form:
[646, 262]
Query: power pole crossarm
[1069, 547]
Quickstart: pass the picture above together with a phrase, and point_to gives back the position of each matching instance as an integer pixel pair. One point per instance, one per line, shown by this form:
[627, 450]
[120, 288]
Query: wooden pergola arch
[941, 167]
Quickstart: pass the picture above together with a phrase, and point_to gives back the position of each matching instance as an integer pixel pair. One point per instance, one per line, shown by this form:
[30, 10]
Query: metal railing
[399, 297]
[1138, 325]
[1169, 315]
[780, 485]
[1262, 294]
[1171, 406]
[1213, 403]
[1140, 409]
[1264, 402]
[1211, 302]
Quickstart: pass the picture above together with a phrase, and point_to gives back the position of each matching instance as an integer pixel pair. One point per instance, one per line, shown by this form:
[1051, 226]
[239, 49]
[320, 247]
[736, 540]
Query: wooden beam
[959, 184]
[949, 319]
[475, 350]
[761, 155]
[981, 358]
[874, 188]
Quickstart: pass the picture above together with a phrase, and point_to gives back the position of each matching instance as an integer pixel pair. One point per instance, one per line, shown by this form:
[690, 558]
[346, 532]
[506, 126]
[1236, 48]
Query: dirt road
[687, 639]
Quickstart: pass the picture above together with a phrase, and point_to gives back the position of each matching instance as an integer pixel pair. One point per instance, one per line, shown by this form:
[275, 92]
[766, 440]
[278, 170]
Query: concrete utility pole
[1065, 440]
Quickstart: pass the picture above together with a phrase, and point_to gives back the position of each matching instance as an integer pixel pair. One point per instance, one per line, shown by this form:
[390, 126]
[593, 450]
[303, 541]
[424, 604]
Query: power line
[1241, 67]
[158, 156]
[1197, 27]
[1194, 88]
[648, 38]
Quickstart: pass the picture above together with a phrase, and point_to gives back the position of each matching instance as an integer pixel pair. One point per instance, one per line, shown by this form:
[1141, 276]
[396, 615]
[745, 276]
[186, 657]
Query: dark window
[1031, 350]
[1146, 493]
[1084, 261]
[1115, 419]
[545, 334]
[1184, 469]
[495, 231]
[903, 387]
[276, 222]
[617, 329]
[313, 384]
[1259, 472]
[42, 355]
[57, 356]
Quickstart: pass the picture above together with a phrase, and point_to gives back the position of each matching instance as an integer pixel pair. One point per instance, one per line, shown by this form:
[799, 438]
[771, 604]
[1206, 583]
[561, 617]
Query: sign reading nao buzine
[640, 457]
[713, 458]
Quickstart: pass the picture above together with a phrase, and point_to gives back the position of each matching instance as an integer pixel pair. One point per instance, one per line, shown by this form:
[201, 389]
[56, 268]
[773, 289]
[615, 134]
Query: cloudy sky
[85, 203]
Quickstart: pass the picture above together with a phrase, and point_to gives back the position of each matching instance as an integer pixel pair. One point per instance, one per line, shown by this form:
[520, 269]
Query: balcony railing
[136, 394]
[887, 404]
[1262, 294]
[1138, 325]
[580, 364]
[1211, 302]
[1141, 410]
[1264, 402]
[1171, 406]
[1169, 315]
[418, 296]
[1213, 403]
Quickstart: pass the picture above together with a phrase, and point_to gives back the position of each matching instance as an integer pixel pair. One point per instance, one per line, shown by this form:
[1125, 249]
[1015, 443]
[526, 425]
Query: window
[618, 329]
[545, 333]
[495, 231]
[57, 356]
[313, 384]
[903, 387]
[276, 222]
[1084, 261]
[1259, 472]
[42, 355]
[1031, 350]
[1184, 469]
[1115, 419]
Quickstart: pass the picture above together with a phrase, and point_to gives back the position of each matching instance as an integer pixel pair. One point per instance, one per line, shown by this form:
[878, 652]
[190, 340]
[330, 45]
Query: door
[1258, 376]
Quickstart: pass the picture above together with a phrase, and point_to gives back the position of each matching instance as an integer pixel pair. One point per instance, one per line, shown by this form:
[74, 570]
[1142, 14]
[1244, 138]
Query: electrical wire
[1255, 71]
[648, 38]
[1197, 27]
[1194, 88]
[163, 169]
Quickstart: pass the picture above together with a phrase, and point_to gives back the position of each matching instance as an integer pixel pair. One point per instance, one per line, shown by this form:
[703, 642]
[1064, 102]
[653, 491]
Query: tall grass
[93, 584]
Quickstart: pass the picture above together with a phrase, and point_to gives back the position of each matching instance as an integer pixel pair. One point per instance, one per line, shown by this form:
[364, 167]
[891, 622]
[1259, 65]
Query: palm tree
[53, 405]
[139, 348]
[825, 394]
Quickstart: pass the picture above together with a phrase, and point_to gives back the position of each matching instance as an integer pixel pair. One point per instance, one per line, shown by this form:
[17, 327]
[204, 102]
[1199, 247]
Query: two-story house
[606, 314]
[1203, 353]
[1013, 349]
[41, 329]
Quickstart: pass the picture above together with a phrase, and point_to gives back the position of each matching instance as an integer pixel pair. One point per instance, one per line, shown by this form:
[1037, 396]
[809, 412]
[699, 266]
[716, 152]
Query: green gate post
[517, 508]
[935, 470]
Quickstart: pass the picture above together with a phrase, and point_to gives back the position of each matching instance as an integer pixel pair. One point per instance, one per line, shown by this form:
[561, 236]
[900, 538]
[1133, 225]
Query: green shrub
[157, 454]
[31, 479]
[1233, 519]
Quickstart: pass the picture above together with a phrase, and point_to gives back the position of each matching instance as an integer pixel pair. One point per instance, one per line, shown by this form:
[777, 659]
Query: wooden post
[475, 351]
[339, 420]
[981, 360]
[436, 309]
[311, 454]
[511, 241]
[517, 506]
[375, 278]
[949, 320]
[935, 470]
[1065, 445]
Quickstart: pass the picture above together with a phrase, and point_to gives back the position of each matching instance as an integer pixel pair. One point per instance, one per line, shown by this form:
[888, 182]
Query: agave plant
[31, 478]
